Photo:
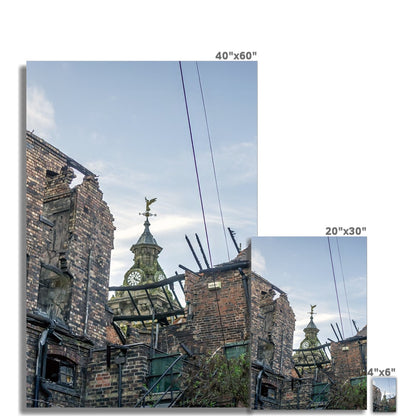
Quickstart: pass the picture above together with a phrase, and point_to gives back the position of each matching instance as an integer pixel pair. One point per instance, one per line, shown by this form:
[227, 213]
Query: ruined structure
[314, 375]
[69, 239]
[311, 352]
[273, 325]
[215, 321]
[145, 270]
[77, 353]
[349, 357]
[149, 345]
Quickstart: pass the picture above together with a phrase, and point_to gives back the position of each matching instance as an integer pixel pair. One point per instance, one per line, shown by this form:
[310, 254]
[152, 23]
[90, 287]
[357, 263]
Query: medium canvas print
[309, 323]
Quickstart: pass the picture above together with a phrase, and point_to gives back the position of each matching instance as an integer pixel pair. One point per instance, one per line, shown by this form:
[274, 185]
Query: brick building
[272, 329]
[314, 375]
[349, 357]
[145, 346]
[77, 352]
[215, 322]
[69, 239]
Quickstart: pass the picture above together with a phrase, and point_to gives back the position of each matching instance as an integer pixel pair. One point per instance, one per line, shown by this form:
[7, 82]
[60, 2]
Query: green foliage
[218, 382]
[348, 397]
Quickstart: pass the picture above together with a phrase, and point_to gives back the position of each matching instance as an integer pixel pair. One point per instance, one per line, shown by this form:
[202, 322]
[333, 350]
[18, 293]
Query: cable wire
[212, 160]
[195, 163]
[335, 283]
[203, 214]
[345, 289]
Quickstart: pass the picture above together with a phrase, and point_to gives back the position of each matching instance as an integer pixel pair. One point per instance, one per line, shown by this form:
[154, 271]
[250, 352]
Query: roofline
[282, 292]
[69, 161]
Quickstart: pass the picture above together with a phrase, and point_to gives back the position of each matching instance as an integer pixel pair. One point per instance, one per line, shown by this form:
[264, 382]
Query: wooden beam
[154, 285]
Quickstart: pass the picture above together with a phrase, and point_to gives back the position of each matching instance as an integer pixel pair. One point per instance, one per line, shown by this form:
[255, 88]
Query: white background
[337, 101]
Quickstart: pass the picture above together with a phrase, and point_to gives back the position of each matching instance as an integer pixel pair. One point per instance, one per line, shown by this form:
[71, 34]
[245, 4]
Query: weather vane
[312, 312]
[148, 203]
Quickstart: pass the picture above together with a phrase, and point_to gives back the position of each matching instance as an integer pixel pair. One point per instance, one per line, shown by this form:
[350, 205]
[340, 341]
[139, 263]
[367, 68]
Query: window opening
[265, 352]
[235, 350]
[60, 371]
[159, 364]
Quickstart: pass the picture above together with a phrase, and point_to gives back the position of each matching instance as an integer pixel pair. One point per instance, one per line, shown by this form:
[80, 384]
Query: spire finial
[147, 213]
[312, 312]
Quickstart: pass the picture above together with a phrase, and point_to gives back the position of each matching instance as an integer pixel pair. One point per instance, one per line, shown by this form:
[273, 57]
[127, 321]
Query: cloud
[40, 112]
[258, 262]
[240, 162]
[357, 287]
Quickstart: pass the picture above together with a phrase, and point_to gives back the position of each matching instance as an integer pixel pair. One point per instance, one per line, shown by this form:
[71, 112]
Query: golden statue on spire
[148, 203]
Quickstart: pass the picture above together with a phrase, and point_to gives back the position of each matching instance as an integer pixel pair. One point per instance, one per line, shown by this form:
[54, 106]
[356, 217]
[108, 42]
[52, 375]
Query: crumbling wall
[69, 242]
[69, 238]
[217, 312]
[349, 358]
[272, 328]
[117, 378]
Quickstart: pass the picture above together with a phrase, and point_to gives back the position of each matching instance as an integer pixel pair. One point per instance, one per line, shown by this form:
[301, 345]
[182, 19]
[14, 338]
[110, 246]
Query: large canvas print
[141, 196]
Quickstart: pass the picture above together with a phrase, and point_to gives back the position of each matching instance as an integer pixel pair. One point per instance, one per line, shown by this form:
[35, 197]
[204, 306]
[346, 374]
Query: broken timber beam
[154, 285]
[157, 316]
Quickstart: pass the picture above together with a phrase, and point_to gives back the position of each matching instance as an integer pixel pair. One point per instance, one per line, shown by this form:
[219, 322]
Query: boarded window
[159, 364]
[320, 392]
[265, 352]
[60, 371]
[55, 289]
[355, 381]
[235, 350]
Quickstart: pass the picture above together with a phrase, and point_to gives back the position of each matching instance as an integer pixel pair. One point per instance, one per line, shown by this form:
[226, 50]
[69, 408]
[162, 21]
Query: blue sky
[301, 266]
[126, 122]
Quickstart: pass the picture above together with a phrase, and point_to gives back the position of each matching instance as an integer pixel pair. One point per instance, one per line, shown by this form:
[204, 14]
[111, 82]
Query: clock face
[159, 276]
[134, 277]
[306, 344]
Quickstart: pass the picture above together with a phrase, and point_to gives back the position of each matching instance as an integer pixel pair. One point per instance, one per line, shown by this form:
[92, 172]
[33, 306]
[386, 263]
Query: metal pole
[193, 252]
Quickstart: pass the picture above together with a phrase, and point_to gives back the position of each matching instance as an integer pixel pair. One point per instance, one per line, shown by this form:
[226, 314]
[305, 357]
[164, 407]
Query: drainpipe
[120, 360]
[258, 388]
[41, 363]
[87, 295]
[157, 335]
[152, 333]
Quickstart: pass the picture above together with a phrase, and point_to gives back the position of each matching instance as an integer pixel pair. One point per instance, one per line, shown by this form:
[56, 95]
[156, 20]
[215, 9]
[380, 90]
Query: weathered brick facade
[78, 357]
[349, 357]
[69, 239]
[117, 377]
[272, 329]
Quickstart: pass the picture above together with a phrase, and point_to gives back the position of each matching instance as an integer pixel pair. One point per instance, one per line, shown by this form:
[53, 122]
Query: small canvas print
[384, 390]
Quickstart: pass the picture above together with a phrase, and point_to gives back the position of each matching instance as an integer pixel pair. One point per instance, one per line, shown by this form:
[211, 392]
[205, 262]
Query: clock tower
[311, 331]
[146, 268]
[308, 355]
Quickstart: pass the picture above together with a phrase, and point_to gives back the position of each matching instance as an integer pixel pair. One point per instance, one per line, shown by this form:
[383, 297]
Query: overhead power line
[212, 160]
[336, 289]
[195, 164]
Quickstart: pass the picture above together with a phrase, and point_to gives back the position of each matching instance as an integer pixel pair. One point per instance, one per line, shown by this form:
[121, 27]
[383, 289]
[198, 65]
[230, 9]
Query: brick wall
[216, 316]
[272, 328]
[69, 238]
[347, 360]
[103, 380]
[78, 232]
